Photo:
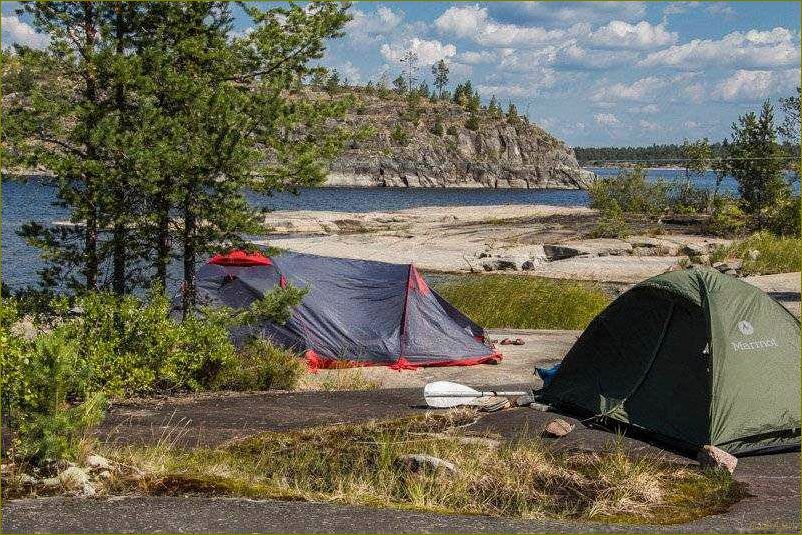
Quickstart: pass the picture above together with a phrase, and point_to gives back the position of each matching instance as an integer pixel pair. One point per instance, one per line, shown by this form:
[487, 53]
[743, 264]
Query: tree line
[154, 118]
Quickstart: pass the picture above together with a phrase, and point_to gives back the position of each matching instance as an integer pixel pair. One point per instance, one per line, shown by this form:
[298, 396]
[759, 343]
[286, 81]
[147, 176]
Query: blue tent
[359, 311]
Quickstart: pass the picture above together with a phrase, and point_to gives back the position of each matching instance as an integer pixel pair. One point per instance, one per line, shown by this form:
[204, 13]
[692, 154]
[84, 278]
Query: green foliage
[472, 123]
[685, 198]
[727, 218]
[139, 146]
[438, 129]
[630, 192]
[612, 224]
[39, 376]
[512, 115]
[259, 365]
[452, 130]
[400, 136]
[756, 161]
[440, 72]
[782, 217]
[493, 109]
[501, 301]
[774, 254]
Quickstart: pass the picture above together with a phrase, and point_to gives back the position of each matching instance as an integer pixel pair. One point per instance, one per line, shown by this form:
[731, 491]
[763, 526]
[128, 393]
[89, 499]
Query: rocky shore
[442, 144]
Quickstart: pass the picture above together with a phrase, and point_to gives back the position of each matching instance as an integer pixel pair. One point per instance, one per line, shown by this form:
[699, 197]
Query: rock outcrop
[430, 144]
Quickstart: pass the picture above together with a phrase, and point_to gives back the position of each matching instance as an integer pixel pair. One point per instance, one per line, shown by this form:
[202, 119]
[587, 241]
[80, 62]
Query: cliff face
[431, 145]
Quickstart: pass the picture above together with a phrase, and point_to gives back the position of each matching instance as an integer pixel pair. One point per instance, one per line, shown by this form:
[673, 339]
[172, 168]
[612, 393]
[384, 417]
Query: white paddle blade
[445, 394]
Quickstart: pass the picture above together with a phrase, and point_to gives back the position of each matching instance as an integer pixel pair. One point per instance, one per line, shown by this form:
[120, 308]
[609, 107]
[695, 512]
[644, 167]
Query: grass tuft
[775, 254]
[520, 302]
[357, 464]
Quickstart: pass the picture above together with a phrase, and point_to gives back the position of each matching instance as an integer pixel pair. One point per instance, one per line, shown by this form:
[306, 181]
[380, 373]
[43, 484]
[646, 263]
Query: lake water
[32, 201]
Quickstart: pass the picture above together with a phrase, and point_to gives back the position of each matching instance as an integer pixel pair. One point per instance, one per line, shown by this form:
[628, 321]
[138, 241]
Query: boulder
[713, 457]
[541, 407]
[500, 264]
[694, 249]
[558, 428]
[417, 462]
[560, 252]
[97, 463]
[75, 479]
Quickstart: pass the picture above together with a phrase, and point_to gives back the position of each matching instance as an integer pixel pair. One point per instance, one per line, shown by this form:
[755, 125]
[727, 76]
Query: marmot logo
[745, 327]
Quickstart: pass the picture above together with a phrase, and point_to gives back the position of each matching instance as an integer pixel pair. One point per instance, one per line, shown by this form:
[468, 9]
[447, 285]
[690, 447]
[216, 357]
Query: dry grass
[356, 464]
[347, 379]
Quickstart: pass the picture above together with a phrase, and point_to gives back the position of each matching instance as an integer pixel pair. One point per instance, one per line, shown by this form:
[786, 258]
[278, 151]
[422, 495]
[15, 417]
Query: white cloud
[575, 57]
[16, 31]
[372, 26]
[756, 49]
[606, 119]
[473, 22]
[351, 72]
[640, 36]
[644, 89]
[429, 52]
[747, 85]
[501, 91]
[571, 12]
[475, 58]
[649, 125]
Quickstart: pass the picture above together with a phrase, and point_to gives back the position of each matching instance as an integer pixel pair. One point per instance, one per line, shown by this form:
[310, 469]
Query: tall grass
[358, 464]
[520, 302]
[775, 254]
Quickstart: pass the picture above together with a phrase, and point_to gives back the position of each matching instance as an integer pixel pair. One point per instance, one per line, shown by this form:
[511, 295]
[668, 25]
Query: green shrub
[524, 302]
[782, 218]
[39, 379]
[400, 136]
[612, 224]
[472, 123]
[685, 198]
[631, 192]
[452, 130]
[727, 218]
[127, 346]
[438, 129]
[260, 365]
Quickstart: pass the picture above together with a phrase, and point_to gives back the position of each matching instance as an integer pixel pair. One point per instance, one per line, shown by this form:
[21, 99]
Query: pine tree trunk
[91, 233]
[190, 252]
[163, 231]
[119, 235]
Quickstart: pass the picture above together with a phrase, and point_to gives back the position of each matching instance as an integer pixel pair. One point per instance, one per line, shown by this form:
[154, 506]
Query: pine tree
[493, 109]
[756, 161]
[512, 114]
[213, 115]
[440, 72]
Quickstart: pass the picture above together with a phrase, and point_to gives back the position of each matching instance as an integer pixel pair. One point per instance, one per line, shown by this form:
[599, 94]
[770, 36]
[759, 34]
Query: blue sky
[592, 73]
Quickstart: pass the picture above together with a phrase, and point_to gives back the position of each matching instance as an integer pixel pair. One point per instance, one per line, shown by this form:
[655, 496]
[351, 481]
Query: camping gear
[356, 312]
[692, 357]
[547, 374]
[445, 394]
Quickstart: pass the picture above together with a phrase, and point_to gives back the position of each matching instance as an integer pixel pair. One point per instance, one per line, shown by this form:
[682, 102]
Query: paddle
[445, 394]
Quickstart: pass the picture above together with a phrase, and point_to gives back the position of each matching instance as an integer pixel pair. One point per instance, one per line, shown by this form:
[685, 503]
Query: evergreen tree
[154, 119]
[512, 114]
[493, 109]
[440, 72]
[756, 161]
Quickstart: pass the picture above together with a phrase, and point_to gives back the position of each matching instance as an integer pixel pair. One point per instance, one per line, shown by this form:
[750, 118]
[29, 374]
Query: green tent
[692, 357]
